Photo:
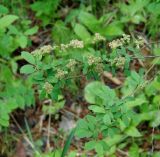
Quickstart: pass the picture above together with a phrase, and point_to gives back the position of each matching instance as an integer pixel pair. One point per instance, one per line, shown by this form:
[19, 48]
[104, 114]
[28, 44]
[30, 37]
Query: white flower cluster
[72, 44]
[97, 38]
[126, 38]
[71, 64]
[60, 74]
[46, 49]
[139, 42]
[97, 61]
[119, 62]
[93, 60]
[48, 87]
[55, 47]
[64, 47]
[76, 44]
[120, 42]
[99, 67]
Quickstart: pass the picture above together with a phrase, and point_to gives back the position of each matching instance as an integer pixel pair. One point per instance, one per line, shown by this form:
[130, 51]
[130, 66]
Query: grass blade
[68, 142]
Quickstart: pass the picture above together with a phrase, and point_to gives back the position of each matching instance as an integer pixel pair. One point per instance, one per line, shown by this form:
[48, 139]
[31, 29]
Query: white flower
[115, 43]
[60, 74]
[139, 42]
[71, 64]
[76, 44]
[46, 49]
[97, 38]
[120, 42]
[48, 87]
[93, 60]
[72, 44]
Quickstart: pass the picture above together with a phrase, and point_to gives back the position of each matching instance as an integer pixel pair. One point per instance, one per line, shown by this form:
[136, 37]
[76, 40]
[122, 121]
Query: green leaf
[14, 66]
[31, 31]
[72, 154]
[4, 122]
[7, 20]
[89, 21]
[156, 120]
[154, 8]
[114, 140]
[112, 30]
[28, 57]
[82, 124]
[82, 32]
[22, 40]
[134, 150]
[12, 104]
[97, 93]
[156, 154]
[133, 132]
[27, 69]
[97, 109]
[81, 133]
[61, 33]
[90, 145]
[3, 9]
[107, 119]
[99, 149]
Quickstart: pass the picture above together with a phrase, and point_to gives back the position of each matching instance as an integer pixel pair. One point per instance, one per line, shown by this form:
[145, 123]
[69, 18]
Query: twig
[49, 127]
[41, 123]
[25, 136]
[76, 76]
[122, 152]
[149, 56]
[113, 79]
[70, 111]
[151, 68]
[152, 140]
[45, 42]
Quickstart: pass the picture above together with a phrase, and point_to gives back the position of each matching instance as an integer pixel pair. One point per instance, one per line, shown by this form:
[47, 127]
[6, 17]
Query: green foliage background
[57, 22]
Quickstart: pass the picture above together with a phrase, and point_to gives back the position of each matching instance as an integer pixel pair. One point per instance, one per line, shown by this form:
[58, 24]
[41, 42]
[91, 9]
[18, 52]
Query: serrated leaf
[134, 150]
[61, 33]
[90, 145]
[14, 66]
[82, 32]
[156, 120]
[4, 123]
[133, 132]
[90, 21]
[22, 40]
[5, 21]
[31, 31]
[27, 69]
[97, 109]
[107, 119]
[99, 149]
[112, 30]
[28, 57]
[82, 124]
[97, 93]
[81, 133]
[3, 9]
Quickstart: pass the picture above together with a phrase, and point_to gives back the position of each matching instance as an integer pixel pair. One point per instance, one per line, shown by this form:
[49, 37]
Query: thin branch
[49, 128]
[122, 152]
[24, 135]
[149, 56]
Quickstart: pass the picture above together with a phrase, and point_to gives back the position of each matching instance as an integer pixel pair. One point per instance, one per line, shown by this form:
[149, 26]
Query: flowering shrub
[52, 73]
[81, 45]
